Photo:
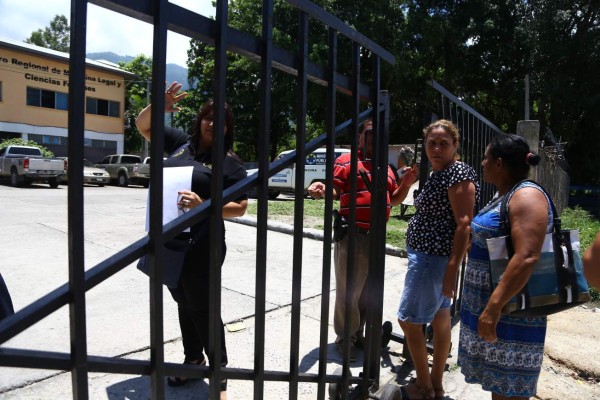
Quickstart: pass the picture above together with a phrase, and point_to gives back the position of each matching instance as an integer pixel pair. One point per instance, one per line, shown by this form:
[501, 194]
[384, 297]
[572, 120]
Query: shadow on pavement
[139, 389]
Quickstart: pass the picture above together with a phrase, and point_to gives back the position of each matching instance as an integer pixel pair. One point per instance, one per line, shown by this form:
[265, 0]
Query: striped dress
[510, 366]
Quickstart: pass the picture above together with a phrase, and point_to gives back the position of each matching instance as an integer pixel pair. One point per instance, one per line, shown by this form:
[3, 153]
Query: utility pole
[526, 97]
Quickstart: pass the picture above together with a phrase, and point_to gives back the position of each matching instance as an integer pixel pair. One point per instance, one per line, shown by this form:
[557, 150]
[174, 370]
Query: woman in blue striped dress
[504, 354]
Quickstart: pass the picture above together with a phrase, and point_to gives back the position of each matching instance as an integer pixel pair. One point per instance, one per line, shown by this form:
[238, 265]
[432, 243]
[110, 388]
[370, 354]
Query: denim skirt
[422, 295]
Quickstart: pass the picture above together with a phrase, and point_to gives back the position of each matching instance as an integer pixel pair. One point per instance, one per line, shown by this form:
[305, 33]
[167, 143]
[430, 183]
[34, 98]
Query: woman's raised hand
[172, 96]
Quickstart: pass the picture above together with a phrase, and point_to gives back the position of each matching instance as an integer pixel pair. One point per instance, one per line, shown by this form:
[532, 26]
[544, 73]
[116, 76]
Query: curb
[308, 233]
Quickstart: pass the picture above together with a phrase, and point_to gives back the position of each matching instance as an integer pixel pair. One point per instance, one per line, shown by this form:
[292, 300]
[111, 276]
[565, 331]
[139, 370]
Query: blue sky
[107, 30]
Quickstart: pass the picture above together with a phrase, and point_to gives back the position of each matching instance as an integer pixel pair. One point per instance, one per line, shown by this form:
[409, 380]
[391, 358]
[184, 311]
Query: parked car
[147, 160]
[91, 174]
[285, 181]
[27, 164]
[126, 169]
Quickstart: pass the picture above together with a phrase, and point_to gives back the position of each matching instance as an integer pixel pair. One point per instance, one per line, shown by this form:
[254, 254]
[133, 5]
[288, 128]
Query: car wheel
[14, 178]
[101, 185]
[53, 182]
[122, 180]
[273, 194]
[147, 184]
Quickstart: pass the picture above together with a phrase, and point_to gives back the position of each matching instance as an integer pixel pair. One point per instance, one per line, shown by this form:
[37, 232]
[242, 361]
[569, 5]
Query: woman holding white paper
[504, 354]
[195, 150]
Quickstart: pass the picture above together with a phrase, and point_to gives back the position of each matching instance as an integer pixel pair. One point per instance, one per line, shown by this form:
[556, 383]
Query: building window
[102, 107]
[0, 90]
[48, 139]
[47, 99]
[104, 144]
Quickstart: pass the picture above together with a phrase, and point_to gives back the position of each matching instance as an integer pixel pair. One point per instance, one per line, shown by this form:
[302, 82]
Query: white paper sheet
[174, 180]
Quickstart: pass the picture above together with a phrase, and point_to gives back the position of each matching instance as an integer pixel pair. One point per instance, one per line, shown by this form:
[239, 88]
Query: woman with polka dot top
[436, 241]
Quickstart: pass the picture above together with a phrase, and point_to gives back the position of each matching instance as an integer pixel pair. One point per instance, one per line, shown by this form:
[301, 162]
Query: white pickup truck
[26, 164]
[314, 170]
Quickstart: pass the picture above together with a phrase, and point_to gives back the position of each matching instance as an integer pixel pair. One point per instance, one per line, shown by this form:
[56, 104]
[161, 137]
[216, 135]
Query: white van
[314, 170]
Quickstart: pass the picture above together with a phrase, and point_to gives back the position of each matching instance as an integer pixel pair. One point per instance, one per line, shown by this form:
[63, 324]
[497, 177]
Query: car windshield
[86, 163]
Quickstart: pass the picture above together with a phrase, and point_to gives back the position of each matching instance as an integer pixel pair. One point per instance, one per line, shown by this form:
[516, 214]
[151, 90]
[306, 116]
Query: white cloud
[106, 30]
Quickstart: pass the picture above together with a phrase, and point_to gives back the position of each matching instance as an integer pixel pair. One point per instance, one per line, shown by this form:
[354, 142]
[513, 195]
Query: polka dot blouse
[431, 230]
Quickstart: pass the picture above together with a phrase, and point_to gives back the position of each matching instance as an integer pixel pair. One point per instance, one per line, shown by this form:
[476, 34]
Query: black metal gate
[369, 100]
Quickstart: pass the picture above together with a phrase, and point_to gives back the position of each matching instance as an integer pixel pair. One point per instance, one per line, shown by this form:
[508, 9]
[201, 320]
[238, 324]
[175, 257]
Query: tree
[57, 36]
[479, 50]
[136, 99]
[21, 142]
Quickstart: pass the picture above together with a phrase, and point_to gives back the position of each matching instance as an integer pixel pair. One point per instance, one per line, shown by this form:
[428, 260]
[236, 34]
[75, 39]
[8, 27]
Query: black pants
[192, 297]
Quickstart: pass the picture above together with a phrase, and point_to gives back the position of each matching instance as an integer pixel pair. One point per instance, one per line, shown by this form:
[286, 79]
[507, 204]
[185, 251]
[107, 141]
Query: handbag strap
[505, 222]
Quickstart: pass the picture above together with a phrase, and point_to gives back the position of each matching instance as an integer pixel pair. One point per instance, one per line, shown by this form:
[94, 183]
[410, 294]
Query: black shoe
[339, 346]
[360, 341]
[175, 381]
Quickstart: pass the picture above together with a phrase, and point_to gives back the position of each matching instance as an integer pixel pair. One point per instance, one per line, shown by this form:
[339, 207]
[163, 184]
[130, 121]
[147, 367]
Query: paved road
[34, 261]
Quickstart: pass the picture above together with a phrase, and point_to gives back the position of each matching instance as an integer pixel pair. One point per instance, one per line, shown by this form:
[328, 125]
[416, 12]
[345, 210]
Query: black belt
[362, 230]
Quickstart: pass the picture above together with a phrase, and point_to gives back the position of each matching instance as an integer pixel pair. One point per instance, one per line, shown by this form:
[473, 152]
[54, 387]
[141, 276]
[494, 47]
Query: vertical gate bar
[480, 140]
[76, 117]
[485, 190]
[301, 108]
[157, 261]
[464, 134]
[472, 139]
[469, 135]
[480, 151]
[443, 106]
[376, 277]
[326, 275]
[351, 259]
[216, 194]
[477, 146]
[262, 206]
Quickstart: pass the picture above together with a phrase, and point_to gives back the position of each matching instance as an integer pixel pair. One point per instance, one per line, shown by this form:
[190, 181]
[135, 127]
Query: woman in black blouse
[194, 149]
[436, 241]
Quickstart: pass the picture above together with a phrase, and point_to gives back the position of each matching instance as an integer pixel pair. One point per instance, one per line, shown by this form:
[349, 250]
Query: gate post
[530, 130]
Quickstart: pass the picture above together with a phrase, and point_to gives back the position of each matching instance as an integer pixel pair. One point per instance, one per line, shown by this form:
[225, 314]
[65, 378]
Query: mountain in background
[174, 72]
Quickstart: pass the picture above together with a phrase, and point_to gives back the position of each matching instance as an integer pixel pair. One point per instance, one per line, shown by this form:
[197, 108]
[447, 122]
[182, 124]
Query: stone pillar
[530, 130]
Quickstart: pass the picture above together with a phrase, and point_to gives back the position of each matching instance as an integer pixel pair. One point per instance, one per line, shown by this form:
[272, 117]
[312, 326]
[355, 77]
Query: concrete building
[34, 90]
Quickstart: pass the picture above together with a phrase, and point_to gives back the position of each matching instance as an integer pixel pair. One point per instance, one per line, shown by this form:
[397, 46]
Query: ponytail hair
[515, 154]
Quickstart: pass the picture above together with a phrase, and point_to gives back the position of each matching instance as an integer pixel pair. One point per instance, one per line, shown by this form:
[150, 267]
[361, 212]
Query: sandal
[175, 381]
[223, 385]
[422, 393]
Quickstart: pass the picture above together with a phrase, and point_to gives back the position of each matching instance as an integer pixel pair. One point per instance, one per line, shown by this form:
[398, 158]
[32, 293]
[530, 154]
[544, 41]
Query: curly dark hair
[515, 153]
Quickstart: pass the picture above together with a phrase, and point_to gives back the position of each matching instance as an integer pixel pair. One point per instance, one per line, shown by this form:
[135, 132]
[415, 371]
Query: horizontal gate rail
[199, 27]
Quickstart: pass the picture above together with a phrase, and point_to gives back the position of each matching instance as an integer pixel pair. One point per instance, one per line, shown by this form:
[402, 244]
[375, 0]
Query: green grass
[314, 212]
[576, 218]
